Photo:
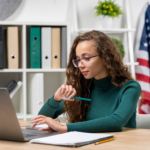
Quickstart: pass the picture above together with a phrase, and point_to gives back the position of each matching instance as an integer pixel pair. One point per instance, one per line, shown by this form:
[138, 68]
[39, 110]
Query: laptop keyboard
[28, 135]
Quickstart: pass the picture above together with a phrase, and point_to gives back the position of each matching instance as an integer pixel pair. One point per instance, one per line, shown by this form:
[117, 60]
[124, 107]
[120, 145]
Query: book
[35, 90]
[12, 47]
[1, 48]
[63, 47]
[73, 139]
[56, 48]
[11, 85]
[35, 47]
[5, 59]
[46, 47]
[14, 91]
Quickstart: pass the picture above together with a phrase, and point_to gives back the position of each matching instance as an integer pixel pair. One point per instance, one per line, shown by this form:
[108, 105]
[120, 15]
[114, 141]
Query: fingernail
[66, 97]
[70, 97]
[61, 93]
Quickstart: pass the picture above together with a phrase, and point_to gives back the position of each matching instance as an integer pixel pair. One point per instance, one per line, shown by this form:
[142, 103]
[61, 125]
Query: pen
[85, 99]
[104, 141]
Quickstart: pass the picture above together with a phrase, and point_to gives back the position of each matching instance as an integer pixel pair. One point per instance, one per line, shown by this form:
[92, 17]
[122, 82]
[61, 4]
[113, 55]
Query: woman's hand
[63, 92]
[52, 124]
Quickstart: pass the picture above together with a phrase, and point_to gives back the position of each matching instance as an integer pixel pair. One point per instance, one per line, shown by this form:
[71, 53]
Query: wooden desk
[129, 139]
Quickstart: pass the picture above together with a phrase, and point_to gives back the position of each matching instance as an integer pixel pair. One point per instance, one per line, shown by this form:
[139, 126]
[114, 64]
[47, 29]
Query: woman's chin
[87, 77]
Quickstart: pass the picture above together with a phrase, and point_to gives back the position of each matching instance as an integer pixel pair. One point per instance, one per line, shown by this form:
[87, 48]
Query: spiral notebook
[73, 139]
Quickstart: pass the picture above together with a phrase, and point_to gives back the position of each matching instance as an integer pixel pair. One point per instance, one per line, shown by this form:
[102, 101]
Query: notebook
[73, 139]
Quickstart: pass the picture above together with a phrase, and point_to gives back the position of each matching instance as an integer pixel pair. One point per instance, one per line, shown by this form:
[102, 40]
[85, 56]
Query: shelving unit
[124, 34]
[53, 78]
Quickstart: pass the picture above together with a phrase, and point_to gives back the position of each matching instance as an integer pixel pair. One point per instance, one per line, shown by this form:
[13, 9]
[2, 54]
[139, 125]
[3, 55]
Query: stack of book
[48, 47]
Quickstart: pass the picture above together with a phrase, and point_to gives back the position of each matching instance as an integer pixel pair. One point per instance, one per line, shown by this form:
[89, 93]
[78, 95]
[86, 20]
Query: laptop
[9, 126]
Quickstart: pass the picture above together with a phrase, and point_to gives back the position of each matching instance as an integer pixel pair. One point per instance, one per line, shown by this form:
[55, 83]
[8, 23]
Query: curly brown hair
[76, 110]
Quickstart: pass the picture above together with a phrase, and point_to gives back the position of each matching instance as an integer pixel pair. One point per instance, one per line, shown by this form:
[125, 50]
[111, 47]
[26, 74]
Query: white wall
[41, 10]
[62, 10]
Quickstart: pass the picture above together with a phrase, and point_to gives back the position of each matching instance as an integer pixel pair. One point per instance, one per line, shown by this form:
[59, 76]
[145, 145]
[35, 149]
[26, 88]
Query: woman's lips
[85, 72]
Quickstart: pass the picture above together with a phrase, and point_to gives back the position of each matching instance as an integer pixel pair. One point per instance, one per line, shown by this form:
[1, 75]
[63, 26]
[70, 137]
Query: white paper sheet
[70, 138]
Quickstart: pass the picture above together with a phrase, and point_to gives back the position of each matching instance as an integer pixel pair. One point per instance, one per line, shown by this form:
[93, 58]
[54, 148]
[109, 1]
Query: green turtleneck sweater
[111, 107]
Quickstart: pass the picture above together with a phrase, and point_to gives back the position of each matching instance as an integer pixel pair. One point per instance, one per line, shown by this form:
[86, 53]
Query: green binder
[35, 47]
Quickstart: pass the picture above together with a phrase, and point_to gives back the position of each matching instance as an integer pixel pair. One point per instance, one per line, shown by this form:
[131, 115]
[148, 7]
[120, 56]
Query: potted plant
[108, 10]
[119, 46]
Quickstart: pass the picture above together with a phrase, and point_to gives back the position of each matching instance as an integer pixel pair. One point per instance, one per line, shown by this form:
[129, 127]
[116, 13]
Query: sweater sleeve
[52, 108]
[117, 120]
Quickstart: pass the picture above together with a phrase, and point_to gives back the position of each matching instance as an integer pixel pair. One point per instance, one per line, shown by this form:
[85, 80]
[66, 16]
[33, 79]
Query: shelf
[29, 116]
[129, 63]
[53, 78]
[46, 70]
[34, 23]
[113, 30]
[49, 70]
[20, 115]
[11, 70]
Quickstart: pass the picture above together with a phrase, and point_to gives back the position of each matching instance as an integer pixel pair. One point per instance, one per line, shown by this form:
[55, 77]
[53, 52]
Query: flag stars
[145, 44]
[146, 21]
[148, 28]
[148, 34]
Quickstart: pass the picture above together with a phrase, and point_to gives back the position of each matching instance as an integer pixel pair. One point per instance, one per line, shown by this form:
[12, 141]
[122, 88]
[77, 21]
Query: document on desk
[73, 139]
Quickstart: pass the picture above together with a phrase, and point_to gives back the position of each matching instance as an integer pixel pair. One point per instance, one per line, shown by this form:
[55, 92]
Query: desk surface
[131, 139]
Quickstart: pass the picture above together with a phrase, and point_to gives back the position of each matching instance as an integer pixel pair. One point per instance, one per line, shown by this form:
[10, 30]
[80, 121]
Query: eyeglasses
[84, 60]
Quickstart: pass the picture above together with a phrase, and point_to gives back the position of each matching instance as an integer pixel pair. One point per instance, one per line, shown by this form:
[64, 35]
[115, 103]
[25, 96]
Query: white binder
[46, 47]
[35, 92]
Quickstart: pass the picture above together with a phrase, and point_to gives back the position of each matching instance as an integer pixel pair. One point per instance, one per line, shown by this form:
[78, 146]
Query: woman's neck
[102, 74]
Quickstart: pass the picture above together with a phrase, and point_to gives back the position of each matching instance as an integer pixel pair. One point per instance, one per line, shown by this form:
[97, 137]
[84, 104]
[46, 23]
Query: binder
[63, 47]
[56, 48]
[12, 48]
[35, 92]
[11, 85]
[35, 47]
[1, 48]
[14, 91]
[46, 47]
[4, 39]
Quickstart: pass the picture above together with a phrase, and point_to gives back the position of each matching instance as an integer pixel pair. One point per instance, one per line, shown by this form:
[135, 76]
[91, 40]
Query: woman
[96, 71]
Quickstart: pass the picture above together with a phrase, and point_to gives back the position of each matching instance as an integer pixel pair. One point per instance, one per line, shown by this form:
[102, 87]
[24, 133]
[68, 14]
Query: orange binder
[55, 56]
[12, 48]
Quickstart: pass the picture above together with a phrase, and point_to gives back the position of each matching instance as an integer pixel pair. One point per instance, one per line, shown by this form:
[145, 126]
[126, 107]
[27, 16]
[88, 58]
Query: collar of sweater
[102, 83]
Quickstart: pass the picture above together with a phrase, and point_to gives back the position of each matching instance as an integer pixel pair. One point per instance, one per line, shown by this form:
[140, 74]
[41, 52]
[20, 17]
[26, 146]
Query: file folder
[12, 48]
[63, 47]
[56, 48]
[46, 47]
[1, 48]
[35, 47]
[35, 92]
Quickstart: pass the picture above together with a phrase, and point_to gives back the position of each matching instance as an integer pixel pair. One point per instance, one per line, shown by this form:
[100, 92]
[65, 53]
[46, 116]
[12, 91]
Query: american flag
[142, 53]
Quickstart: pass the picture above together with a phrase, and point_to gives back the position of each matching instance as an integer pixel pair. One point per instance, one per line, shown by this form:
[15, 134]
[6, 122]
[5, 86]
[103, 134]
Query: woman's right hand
[63, 92]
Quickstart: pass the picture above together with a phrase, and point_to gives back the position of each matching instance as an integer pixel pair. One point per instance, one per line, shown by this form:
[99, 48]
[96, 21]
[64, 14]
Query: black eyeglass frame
[81, 59]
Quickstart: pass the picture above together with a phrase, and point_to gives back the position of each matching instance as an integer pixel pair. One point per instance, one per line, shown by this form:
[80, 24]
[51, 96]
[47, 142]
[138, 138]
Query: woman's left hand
[52, 124]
